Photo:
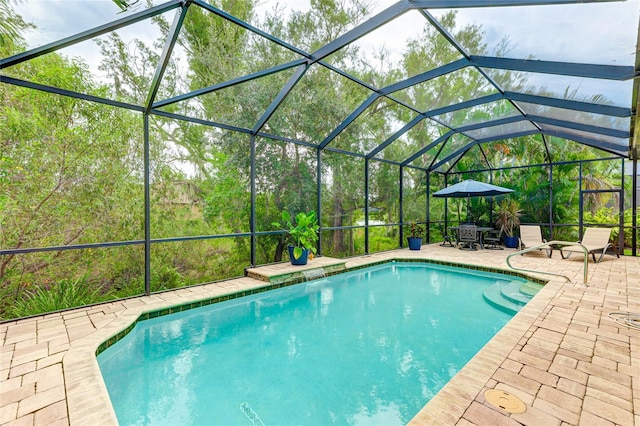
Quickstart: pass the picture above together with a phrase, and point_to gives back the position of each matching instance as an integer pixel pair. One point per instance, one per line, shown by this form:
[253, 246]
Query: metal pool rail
[550, 244]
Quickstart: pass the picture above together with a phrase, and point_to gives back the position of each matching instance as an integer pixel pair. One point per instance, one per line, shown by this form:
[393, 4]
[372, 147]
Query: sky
[602, 33]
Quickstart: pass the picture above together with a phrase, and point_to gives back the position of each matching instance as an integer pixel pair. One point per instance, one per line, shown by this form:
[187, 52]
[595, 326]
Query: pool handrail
[549, 244]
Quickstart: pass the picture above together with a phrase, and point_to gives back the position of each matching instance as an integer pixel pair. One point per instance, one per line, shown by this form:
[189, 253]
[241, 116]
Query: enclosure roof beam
[428, 147]
[458, 152]
[466, 104]
[608, 72]
[604, 146]
[634, 128]
[242, 130]
[69, 93]
[444, 32]
[529, 166]
[251, 28]
[546, 120]
[440, 148]
[89, 34]
[342, 151]
[486, 159]
[209, 123]
[285, 139]
[569, 104]
[366, 85]
[421, 78]
[297, 75]
[452, 40]
[355, 114]
[417, 119]
[492, 123]
[455, 4]
[508, 136]
[457, 160]
[407, 83]
[546, 147]
[163, 61]
[363, 29]
[229, 83]
[348, 76]
[580, 126]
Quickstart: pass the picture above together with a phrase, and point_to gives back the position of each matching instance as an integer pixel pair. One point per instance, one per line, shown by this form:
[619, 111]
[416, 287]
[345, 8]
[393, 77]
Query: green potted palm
[508, 219]
[416, 231]
[302, 232]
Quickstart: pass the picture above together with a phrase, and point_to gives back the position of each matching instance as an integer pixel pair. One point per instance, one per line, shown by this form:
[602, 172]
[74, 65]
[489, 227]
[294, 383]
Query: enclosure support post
[252, 219]
[491, 200]
[319, 198]
[550, 201]
[366, 206]
[428, 205]
[401, 195]
[634, 208]
[147, 209]
[621, 211]
[580, 205]
[446, 204]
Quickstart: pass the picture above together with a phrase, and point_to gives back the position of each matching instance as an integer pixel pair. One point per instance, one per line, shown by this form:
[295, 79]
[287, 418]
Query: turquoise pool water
[371, 346]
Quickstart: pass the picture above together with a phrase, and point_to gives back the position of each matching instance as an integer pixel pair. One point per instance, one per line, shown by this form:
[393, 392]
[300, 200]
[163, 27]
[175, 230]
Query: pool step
[510, 296]
[531, 288]
[511, 292]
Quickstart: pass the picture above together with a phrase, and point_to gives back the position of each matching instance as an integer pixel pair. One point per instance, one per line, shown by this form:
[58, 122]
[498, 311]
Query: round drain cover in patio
[508, 402]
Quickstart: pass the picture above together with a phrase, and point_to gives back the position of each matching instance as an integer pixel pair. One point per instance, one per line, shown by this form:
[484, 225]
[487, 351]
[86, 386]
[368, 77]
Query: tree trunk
[279, 250]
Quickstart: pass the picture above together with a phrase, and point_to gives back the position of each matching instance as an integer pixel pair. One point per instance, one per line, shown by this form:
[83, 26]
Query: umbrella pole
[468, 201]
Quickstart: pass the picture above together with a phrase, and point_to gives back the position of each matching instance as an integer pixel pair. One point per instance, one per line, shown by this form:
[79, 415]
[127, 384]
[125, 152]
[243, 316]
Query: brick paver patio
[562, 354]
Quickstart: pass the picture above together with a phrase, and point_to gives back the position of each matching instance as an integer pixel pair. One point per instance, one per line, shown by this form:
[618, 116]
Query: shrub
[66, 294]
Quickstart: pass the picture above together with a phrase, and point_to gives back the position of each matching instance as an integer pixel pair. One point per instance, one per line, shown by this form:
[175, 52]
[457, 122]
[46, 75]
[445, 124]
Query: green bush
[607, 216]
[66, 294]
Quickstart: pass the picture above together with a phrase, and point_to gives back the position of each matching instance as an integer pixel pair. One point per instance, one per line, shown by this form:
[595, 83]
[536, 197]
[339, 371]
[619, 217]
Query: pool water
[371, 346]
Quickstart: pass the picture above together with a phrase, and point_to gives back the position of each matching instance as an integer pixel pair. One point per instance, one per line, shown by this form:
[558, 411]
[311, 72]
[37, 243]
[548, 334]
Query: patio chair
[468, 236]
[448, 239]
[594, 239]
[492, 240]
[531, 236]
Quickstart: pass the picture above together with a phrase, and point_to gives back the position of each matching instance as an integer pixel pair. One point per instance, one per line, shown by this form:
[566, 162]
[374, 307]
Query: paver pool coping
[87, 395]
[561, 354]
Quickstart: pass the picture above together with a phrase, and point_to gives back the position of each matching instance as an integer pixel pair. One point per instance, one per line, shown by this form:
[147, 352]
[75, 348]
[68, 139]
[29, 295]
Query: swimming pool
[369, 346]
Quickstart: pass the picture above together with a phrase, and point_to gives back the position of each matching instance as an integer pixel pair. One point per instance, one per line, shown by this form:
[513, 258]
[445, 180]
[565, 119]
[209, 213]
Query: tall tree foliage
[66, 178]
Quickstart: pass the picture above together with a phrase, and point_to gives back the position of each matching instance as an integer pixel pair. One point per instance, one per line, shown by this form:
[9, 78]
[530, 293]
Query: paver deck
[562, 354]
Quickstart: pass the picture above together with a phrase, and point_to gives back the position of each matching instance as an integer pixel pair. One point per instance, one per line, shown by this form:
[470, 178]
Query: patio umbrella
[471, 188]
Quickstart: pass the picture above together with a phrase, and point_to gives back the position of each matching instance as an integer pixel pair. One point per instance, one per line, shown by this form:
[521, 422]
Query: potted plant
[416, 231]
[303, 233]
[509, 213]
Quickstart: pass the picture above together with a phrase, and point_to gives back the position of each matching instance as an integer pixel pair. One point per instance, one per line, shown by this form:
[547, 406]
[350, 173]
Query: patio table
[481, 230]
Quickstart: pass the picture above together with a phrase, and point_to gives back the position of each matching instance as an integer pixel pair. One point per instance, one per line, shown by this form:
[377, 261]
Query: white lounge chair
[594, 239]
[531, 236]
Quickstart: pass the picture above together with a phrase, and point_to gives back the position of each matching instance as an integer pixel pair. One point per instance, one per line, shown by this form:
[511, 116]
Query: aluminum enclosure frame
[152, 106]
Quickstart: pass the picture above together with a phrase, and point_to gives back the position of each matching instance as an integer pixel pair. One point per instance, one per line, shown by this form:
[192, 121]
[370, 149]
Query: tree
[11, 27]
